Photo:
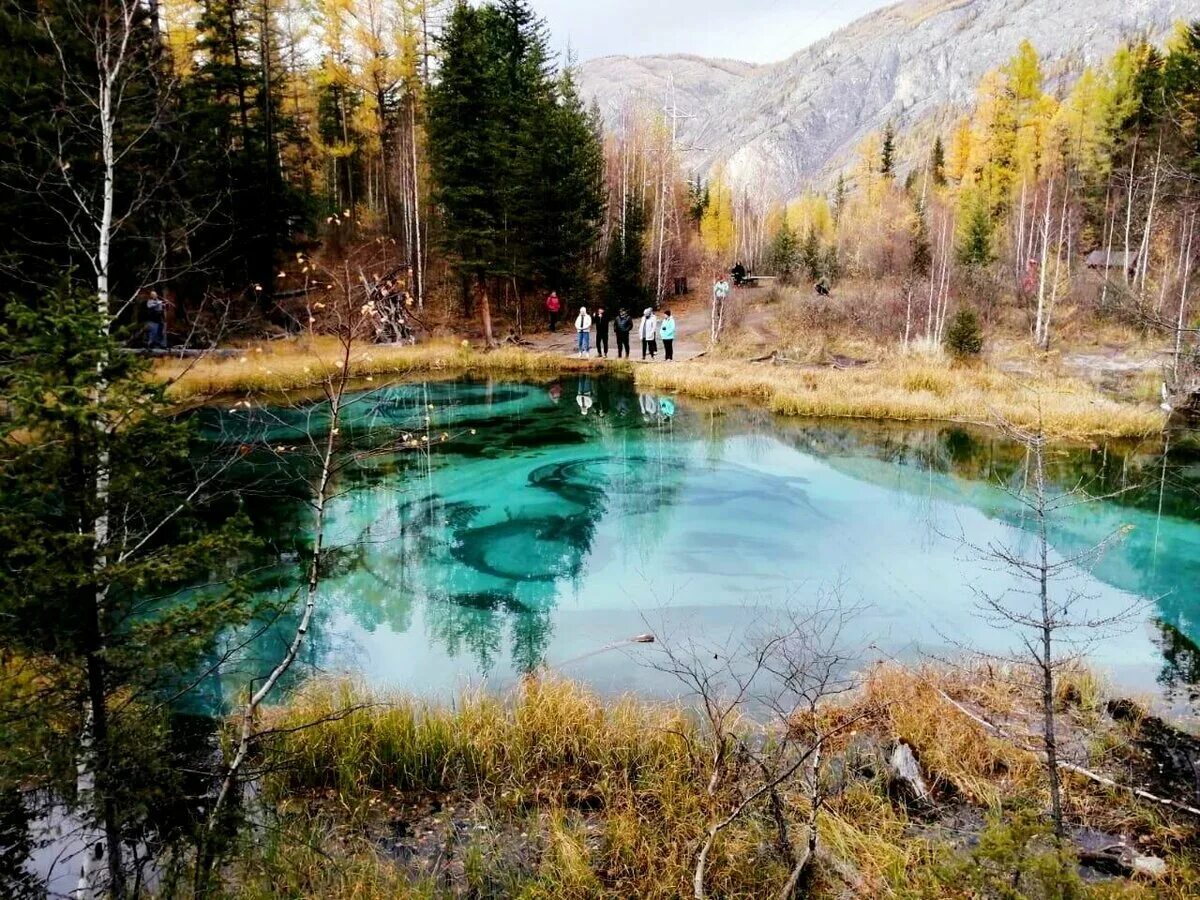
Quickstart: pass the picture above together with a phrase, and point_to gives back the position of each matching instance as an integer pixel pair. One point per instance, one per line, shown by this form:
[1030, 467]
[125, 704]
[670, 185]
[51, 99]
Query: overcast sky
[754, 30]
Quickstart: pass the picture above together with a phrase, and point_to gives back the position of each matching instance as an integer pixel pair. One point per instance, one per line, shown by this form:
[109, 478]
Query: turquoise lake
[521, 526]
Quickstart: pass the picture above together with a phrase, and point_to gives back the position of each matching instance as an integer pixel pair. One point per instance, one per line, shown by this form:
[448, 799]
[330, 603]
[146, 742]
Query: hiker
[603, 321]
[554, 309]
[583, 331]
[667, 332]
[738, 272]
[156, 318]
[720, 289]
[649, 333]
[622, 325]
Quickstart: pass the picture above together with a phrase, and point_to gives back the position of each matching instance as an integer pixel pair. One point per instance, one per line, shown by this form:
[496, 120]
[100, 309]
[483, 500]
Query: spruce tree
[237, 129]
[106, 512]
[569, 190]
[975, 241]
[887, 156]
[783, 255]
[937, 163]
[624, 280]
[810, 254]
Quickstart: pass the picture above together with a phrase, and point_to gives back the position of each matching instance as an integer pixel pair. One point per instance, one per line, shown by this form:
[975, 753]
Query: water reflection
[487, 528]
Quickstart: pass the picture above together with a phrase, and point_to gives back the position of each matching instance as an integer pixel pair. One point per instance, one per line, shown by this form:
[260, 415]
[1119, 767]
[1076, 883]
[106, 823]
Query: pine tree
[810, 254]
[94, 611]
[234, 106]
[783, 255]
[922, 257]
[937, 163]
[839, 198]
[887, 154]
[570, 202]
[975, 242]
[624, 280]
[964, 337]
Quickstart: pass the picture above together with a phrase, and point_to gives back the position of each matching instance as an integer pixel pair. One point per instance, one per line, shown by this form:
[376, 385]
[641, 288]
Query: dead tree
[1046, 611]
[785, 664]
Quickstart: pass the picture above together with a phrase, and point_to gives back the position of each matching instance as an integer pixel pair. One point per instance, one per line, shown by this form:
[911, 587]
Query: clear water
[535, 525]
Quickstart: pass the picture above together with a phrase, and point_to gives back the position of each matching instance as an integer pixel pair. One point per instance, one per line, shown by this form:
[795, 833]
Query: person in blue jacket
[666, 331]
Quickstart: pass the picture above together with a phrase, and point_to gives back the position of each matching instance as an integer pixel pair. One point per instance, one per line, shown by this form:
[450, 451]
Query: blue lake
[529, 525]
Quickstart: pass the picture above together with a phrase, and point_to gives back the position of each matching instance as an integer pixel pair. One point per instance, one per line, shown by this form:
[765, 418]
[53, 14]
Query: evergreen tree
[471, 148]
[104, 515]
[964, 337]
[887, 154]
[975, 241]
[937, 163]
[237, 128]
[624, 280]
[698, 200]
[517, 162]
[922, 256]
[569, 193]
[810, 254]
[784, 253]
[50, 144]
[839, 198]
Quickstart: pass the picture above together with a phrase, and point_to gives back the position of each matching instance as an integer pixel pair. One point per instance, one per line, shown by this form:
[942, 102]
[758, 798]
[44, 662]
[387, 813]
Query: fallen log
[1071, 767]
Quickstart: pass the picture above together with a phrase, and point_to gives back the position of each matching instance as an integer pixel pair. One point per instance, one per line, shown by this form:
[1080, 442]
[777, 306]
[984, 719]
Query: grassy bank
[552, 792]
[911, 388]
[276, 366]
[914, 389]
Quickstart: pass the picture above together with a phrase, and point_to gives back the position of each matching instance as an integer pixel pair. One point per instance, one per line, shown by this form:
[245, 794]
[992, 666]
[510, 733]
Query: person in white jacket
[583, 331]
[649, 333]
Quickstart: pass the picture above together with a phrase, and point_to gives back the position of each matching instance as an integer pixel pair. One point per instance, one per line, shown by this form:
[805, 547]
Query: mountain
[646, 80]
[783, 126]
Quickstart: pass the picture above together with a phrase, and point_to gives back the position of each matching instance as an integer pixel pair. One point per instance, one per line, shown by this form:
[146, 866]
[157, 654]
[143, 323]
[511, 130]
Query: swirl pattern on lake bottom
[541, 528]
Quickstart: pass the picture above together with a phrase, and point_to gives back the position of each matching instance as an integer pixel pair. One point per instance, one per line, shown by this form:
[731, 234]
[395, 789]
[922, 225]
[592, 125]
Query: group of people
[650, 330]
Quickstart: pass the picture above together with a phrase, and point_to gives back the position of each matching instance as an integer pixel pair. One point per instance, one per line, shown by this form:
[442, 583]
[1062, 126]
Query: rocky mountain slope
[783, 126]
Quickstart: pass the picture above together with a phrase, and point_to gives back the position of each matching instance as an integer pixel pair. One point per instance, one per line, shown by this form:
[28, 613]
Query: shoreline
[911, 389]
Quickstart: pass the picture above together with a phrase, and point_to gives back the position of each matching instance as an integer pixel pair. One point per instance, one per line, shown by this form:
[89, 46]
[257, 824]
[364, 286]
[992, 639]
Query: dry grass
[913, 389]
[272, 367]
[901, 388]
[615, 792]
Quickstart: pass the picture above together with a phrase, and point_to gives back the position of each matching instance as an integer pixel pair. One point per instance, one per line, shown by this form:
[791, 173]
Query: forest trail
[691, 332]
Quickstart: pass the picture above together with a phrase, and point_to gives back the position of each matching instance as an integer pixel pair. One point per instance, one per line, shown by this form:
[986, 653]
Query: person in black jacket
[603, 320]
[622, 325]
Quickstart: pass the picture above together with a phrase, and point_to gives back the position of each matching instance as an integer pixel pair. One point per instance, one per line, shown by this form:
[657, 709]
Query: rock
[906, 773]
[1148, 866]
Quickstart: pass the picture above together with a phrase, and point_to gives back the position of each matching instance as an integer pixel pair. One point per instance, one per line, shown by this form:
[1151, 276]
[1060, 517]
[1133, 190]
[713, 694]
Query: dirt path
[691, 332]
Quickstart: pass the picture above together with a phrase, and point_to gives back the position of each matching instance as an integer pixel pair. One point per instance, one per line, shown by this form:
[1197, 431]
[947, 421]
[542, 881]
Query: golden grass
[614, 794]
[295, 364]
[913, 389]
[900, 388]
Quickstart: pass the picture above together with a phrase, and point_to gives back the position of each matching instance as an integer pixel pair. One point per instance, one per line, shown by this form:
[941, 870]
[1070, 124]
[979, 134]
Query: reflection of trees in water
[486, 563]
[1180, 674]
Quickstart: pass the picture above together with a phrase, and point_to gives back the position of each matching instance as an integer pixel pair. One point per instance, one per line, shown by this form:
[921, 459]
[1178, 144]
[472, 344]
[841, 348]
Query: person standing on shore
[583, 331]
[667, 331]
[553, 309]
[603, 321]
[156, 320]
[622, 325]
[649, 333]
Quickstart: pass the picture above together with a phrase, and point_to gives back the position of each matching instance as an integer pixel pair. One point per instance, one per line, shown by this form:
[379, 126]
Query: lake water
[527, 525]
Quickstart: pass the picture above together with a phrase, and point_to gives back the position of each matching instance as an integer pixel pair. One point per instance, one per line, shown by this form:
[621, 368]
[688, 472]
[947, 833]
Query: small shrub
[964, 337]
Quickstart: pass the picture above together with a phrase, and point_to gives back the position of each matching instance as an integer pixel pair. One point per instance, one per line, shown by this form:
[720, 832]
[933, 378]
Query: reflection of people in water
[666, 406]
[555, 392]
[649, 406]
[583, 395]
